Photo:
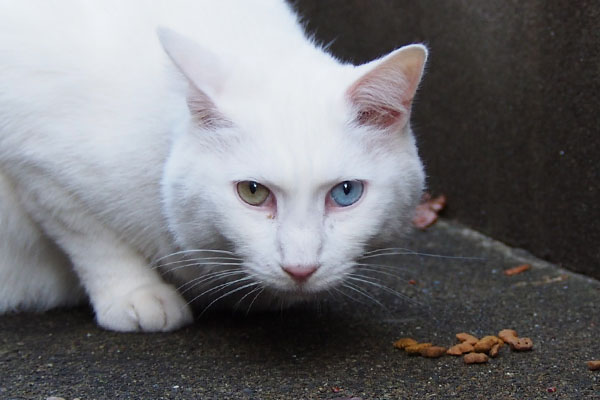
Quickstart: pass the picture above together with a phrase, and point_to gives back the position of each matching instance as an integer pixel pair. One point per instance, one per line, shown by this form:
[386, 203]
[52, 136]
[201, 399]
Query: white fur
[116, 153]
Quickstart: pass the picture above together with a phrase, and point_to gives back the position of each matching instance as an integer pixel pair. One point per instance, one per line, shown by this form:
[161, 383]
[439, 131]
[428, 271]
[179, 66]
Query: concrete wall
[508, 117]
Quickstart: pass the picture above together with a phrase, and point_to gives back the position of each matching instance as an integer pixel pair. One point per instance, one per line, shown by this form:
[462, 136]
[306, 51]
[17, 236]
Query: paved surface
[340, 349]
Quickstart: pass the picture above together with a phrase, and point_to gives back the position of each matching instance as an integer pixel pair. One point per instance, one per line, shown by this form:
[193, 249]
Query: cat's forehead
[291, 108]
[305, 155]
[296, 128]
[290, 96]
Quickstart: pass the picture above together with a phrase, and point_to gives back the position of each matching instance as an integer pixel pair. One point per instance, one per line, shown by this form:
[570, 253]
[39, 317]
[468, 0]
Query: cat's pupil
[347, 187]
[253, 187]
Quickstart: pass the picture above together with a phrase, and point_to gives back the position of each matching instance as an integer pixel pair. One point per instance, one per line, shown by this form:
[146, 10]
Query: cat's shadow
[291, 334]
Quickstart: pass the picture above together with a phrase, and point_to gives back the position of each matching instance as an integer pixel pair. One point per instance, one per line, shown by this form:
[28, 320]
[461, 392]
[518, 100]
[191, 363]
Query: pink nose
[300, 273]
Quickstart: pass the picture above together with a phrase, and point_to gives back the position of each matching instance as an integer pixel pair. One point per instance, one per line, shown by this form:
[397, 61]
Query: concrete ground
[341, 348]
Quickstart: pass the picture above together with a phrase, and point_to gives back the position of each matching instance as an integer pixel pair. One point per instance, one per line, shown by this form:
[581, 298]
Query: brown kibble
[486, 343]
[493, 338]
[465, 337]
[404, 342]
[594, 365]
[483, 346]
[475, 358]
[460, 349]
[495, 350]
[433, 351]
[415, 349]
[521, 344]
[508, 335]
[517, 270]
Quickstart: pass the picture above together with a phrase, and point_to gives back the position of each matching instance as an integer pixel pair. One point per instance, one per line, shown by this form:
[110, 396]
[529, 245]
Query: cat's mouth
[306, 282]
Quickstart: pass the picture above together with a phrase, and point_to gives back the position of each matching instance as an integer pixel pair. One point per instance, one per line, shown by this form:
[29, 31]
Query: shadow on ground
[340, 348]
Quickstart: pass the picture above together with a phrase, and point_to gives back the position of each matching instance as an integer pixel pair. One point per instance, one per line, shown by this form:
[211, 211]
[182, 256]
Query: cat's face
[297, 176]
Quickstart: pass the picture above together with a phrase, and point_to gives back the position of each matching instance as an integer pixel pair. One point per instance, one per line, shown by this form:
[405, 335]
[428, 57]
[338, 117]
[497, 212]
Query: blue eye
[346, 193]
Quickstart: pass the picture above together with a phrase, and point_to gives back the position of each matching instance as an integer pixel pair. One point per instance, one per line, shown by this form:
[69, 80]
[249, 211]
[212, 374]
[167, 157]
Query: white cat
[238, 157]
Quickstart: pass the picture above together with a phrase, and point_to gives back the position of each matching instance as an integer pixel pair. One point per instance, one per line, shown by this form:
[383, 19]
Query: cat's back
[114, 42]
[96, 26]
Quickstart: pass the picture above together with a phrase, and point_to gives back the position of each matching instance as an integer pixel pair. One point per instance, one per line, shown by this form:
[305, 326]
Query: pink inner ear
[382, 118]
[204, 111]
[382, 97]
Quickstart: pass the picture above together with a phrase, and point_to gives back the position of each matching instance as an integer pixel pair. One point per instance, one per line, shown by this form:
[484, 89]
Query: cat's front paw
[152, 308]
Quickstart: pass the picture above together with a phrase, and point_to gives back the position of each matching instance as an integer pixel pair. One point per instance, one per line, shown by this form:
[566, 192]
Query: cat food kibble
[594, 365]
[433, 351]
[415, 349]
[460, 349]
[475, 358]
[508, 335]
[517, 270]
[486, 343]
[465, 337]
[495, 350]
[404, 342]
[516, 343]
[522, 344]
[473, 350]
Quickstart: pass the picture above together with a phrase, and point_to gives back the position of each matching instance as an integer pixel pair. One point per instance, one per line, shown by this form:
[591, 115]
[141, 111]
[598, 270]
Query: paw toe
[155, 308]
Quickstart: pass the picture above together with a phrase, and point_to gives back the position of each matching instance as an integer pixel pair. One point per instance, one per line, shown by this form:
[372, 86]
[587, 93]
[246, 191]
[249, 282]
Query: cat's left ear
[203, 70]
[382, 96]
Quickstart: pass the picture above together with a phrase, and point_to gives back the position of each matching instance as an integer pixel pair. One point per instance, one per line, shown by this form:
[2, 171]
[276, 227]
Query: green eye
[252, 192]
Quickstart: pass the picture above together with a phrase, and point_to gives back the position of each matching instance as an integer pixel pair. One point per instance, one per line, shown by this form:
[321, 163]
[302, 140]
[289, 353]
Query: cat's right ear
[204, 73]
[382, 96]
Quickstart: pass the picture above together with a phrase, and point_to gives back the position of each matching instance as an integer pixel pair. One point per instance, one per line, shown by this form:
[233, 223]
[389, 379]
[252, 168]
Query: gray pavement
[340, 348]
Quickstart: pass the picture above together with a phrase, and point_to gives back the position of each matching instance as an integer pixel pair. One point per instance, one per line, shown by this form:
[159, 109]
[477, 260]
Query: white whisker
[386, 249]
[363, 293]
[362, 268]
[384, 266]
[413, 253]
[237, 304]
[219, 287]
[190, 260]
[184, 252]
[346, 295]
[209, 278]
[199, 264]
[228, 294]
[254, 299]
[365, 279]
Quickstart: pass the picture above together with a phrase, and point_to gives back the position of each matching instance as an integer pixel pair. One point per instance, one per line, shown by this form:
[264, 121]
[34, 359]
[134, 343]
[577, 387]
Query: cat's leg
[35, 275]
[125, 292]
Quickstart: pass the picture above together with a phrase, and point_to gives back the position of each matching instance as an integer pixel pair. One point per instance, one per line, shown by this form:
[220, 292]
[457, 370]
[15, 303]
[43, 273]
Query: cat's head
[299, 163]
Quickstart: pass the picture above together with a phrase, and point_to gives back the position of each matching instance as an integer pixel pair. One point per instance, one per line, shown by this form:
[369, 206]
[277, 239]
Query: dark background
[507, 117]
